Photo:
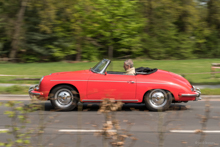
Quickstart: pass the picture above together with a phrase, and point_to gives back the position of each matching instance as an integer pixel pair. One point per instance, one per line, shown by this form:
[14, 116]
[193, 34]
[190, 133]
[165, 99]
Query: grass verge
[208, 91]
[191, 69]
[14, 90]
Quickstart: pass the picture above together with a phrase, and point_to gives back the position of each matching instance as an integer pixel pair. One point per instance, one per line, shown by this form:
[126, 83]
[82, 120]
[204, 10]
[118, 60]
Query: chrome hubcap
[158, 99]
[64, 97]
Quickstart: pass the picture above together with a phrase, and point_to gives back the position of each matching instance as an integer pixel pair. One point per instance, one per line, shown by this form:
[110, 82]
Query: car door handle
[131, 82]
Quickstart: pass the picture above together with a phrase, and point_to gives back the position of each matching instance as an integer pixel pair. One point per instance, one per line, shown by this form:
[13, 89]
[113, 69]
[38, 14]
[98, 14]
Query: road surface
[76, 128]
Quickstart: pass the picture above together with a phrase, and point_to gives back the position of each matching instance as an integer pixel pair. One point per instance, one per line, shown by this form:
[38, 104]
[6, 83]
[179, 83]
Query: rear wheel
[64, 97]
[158, 100]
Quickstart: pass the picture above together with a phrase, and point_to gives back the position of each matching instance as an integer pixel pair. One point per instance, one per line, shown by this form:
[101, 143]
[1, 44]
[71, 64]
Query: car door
[120, 87]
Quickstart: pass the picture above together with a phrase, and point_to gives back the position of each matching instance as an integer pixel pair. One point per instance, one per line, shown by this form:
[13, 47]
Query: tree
[117, 25]
[170, 27]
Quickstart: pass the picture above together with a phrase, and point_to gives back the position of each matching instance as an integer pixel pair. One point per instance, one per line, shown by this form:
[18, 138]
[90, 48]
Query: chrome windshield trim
[105, 67]
[103, 70]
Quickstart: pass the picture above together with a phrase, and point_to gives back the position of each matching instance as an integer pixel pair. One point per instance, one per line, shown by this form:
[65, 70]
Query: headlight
[193, 88]
[41, 80]
[36, 87]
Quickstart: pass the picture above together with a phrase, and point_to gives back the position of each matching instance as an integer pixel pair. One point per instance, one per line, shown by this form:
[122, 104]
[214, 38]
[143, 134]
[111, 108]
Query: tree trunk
[110, 52]
[150, 17]
[17, 30]
[79, 49]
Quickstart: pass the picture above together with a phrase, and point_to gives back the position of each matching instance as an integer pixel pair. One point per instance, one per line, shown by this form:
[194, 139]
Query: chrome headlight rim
[192, 89]
[41, 81]
[196, 89]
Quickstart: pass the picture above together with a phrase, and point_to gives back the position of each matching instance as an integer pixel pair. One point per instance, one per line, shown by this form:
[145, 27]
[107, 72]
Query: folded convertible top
[145, 70]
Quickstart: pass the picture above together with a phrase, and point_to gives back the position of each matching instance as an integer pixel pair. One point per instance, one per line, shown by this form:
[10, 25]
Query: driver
[128, 66]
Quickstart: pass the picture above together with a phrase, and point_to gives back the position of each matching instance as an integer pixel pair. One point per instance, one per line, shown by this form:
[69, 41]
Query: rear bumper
[195, 94]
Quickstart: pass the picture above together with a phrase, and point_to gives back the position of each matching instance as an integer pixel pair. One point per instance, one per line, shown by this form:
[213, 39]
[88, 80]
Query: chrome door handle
[131, 82]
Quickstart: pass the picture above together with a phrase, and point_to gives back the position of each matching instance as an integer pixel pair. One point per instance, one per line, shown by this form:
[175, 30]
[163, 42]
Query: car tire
[158, 100]
[64, 98]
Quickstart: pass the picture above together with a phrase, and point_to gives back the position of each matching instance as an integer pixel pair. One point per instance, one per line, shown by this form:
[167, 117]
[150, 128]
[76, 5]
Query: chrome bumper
[197, 94]
[33, 93]
[198, 97]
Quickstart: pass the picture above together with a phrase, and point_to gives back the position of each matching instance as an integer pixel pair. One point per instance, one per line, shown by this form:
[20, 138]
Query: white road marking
[4, 130]
[194, 131]
[86, 131]
[211, 100]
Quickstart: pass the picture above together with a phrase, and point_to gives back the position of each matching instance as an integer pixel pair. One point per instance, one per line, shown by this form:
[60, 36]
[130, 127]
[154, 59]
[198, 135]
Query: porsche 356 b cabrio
[157, 89]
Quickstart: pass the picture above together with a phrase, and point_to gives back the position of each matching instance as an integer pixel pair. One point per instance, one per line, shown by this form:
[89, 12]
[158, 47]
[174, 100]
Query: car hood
[70, 72]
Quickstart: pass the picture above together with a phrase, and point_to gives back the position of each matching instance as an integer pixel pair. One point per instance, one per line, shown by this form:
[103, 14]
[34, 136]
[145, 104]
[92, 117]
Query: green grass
[14, 90]
[208, 91]
[184, 67]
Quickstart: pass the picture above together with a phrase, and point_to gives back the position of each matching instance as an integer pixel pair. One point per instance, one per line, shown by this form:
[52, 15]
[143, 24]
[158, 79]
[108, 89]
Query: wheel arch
[74, 87]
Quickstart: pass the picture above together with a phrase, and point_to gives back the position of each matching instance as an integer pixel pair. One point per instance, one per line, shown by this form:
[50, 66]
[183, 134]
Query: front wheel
[158, 100]
[64, 97]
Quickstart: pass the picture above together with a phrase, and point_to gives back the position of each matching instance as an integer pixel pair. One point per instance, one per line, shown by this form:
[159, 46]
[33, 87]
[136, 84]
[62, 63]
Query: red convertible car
[156, 88]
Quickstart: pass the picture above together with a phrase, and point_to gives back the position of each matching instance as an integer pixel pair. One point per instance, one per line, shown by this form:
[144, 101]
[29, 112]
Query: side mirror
[105, 72]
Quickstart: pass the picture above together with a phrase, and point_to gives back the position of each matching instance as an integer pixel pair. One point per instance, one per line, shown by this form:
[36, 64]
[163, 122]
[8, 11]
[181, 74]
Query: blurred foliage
[52, 30]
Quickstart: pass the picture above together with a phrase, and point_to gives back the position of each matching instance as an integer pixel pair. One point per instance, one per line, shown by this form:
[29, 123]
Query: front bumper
[33, 93]
[195, 93]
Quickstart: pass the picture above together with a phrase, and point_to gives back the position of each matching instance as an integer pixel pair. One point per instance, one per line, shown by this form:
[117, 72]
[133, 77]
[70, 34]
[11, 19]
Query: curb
[13, 95]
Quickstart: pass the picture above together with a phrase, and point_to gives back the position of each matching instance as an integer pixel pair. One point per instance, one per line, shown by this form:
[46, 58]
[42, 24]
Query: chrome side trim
[68, 80]
[115, 81]
[115, 100]
[93, 81]
[108, 81]
[159, 83]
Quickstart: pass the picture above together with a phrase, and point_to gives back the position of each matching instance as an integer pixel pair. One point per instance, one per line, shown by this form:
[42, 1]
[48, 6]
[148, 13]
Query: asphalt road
[76, 128]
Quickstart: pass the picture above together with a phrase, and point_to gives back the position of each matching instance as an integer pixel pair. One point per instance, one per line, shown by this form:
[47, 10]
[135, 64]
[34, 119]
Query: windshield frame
[105, 65]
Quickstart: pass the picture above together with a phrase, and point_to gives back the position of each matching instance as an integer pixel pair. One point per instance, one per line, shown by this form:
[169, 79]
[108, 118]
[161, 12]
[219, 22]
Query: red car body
[93, 87]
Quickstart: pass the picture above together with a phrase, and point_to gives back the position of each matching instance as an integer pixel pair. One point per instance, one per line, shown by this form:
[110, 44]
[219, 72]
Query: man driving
[128, 66]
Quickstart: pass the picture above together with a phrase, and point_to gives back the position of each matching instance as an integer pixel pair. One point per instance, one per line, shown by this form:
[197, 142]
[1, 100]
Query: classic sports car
[156, 88]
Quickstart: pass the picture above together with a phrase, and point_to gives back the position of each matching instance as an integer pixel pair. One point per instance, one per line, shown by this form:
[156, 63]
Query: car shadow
[126, 107]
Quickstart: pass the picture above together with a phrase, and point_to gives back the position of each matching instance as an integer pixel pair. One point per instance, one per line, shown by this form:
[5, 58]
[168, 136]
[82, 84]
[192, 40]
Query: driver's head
[128, 64]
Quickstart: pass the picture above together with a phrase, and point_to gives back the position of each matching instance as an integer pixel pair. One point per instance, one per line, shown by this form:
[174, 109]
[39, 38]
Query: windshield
[100, 66]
